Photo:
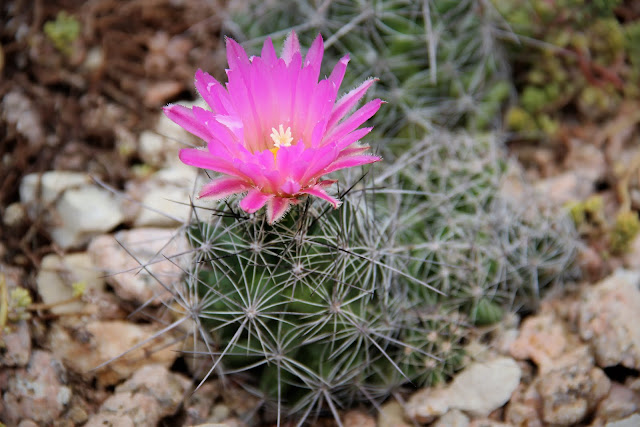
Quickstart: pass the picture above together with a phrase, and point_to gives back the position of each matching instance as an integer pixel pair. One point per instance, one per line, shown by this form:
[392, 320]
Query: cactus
[487, 253]
[318, 306]
[438, 61]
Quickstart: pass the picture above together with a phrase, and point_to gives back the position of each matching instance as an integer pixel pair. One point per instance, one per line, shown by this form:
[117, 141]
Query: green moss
[625, 229]
[63, 31]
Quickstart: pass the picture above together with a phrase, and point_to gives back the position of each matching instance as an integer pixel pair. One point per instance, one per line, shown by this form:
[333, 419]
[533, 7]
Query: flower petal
[359, 117]
[203, 159]
[351, 161]
[269, 53]
[347, 102]
[223, 187]
[276, 208]
[318, 191]
[291, 47]
[213, 93]
[254, 201]
[185, 118]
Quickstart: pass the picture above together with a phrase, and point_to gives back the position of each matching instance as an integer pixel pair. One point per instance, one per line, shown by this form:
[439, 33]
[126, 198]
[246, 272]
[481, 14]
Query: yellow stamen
[281, 138]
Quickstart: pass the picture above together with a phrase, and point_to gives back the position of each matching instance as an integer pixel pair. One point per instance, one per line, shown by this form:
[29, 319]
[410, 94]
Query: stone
[56, 278]
[355, 418]
[127, 409]
[84, 213]
[632, 421]
[453, 418]
[15, 345]
[525, 407]
[36, 392]
[572, 389]
[45, 188]
[20, 113]
[609, 319]
[166, 197]
[427, 404]
[74, 208]
[167, 388]
[200, 403]
[483, 387]
[391, 414]
[84, 347]
[479, 389]
[542, 339]
[163, 251]
[566, 187]
[619, 403]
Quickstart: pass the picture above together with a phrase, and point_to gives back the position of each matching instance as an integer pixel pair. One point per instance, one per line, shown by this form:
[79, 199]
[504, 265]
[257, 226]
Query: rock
[568, 186]
[14, 215]
[56, 278]
[16, 345]
[391, 414]
[619, 403]
[572, 389]
[37, 392]
[453, 418]
[610, 320]
[163, 251]
[165, 387]
[20, 113]
[166, 197]
[478, 390]
[45, 188]
[200, 403]
[85, 347]
[542, 339]
[76, 209]
[525, 407]
[483, 387]
[84, 213]
[632, 421]
[355, 418]
[15, 340]
[158, 93]
[427, 404]
[127, 409]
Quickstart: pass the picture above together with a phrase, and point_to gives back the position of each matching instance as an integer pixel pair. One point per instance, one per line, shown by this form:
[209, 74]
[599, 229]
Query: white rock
[75, 209]
[166, 197]
[51, 185]
[452, 418]
[163, 251]
[632, 421]
[428, 404]
[610, 319]
[58, 274]
[84, 213]
[485, 386]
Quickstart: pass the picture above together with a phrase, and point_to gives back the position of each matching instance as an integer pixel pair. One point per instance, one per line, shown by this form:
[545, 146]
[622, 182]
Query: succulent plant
[572, 55]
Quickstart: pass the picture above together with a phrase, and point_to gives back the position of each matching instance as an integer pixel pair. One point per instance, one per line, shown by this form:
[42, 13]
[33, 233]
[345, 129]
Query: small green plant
[63, 32]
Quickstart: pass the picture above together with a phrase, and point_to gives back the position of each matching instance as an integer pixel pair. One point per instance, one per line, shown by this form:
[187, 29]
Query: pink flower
[274, 130]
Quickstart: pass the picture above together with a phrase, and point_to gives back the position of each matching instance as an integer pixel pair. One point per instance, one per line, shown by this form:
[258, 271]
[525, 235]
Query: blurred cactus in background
[438, 61]
[572, 55]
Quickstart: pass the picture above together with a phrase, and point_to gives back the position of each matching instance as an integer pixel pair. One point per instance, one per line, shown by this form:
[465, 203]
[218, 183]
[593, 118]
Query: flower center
[281, 138]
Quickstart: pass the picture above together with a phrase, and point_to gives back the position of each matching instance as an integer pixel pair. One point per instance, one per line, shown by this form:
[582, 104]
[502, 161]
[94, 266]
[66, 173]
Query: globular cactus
[487, 253]
[439, 61]
[318, 307]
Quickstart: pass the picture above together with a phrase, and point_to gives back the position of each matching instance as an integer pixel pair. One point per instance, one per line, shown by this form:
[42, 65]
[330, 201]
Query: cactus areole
[273, 131]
